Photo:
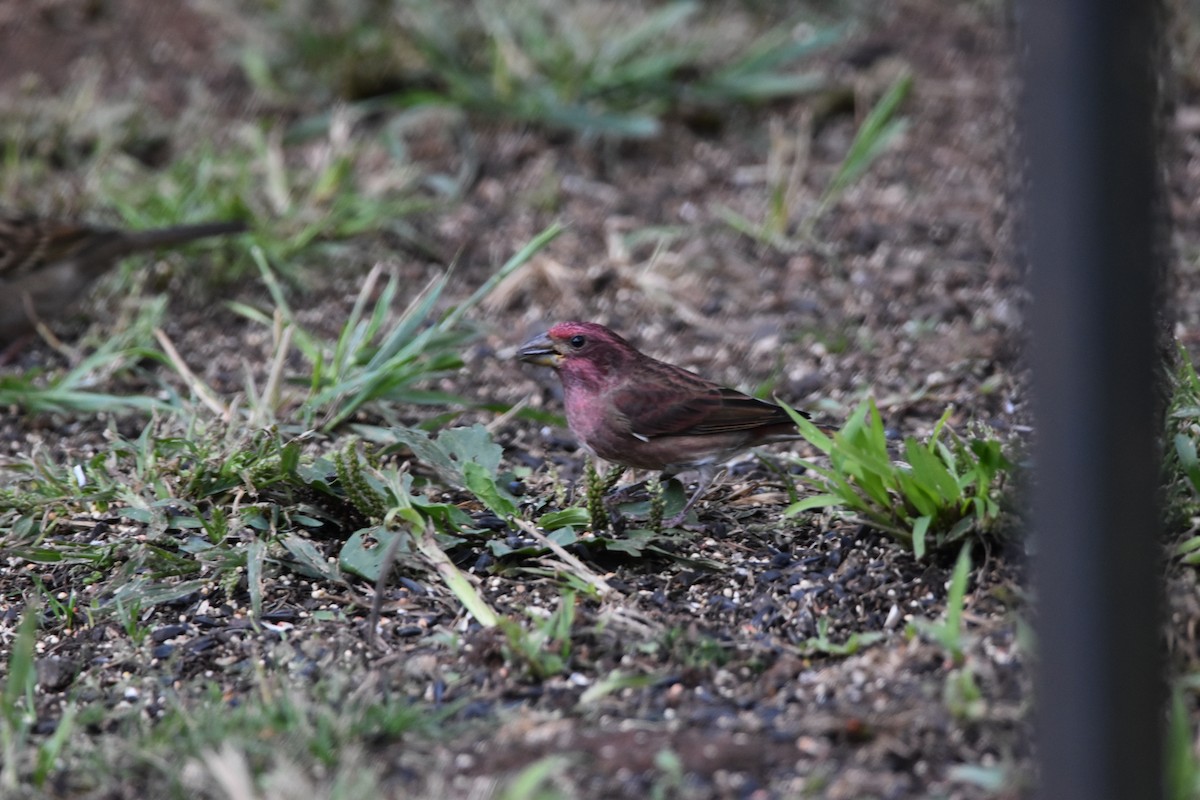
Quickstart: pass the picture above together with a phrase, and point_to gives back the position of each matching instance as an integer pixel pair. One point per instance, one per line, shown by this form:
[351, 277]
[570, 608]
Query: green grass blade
[20, 678]
[776, 49]
[931, 473]
[811, 502]
[874, 135]
[919, 530]
[456, 581]
[403, 338]
[523, 255]
[958, 588]
[811, 433]
[645, 35]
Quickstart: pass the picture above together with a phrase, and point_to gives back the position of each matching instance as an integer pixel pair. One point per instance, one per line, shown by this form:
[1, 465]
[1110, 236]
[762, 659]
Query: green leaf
[364, 559]
[919, 529]
[641, 38]
[573, 517]
[778, 48]
[958, 588]
[632, 542]
[309, 560]
[1181, 764]
[811, 433]
[452, 449]
[931, 472]
[20, 668]
[563, 536]
[870, 454]
[811, 502]
[874, 484]
[472, 444]
[256, 551]
[959, 529]
[766, 86]
[1185, 448]
[915, 493]
[147, 593]
[615, 681]
[1190, 546]
[481, 483]
[456, 581]
[877, 131]
[39, 555]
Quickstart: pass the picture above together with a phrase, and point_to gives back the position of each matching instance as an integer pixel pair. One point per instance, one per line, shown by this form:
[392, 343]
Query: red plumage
[639, 412]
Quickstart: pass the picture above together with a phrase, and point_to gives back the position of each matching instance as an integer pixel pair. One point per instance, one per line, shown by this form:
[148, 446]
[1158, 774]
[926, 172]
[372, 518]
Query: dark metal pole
[1089, 110]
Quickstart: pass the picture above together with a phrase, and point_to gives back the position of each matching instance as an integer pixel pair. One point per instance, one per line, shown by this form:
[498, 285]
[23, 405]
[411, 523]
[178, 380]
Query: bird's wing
[680, 403]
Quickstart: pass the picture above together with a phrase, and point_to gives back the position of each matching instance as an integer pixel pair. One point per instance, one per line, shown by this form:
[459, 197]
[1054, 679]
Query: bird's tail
[179, 234]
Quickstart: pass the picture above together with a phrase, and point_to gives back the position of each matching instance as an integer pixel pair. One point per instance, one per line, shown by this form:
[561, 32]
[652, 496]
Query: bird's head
[578, 349]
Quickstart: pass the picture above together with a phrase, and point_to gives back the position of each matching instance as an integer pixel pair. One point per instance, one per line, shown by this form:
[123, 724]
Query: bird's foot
[616, 519]
[634, 491]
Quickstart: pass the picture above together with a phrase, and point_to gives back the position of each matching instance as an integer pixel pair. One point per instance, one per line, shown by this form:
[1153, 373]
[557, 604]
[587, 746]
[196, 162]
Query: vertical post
[1089, 135]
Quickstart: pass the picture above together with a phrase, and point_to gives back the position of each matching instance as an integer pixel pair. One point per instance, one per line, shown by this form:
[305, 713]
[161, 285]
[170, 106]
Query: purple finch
[46, 264]
[639, 412]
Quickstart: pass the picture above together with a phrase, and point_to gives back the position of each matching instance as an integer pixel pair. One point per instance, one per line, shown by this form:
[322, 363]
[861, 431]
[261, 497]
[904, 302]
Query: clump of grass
[543, 649]
[308, 736]
[944, 492]
[219, 506]
[1181, 464]
[786, 227]
[614, 73]
[373, 363]
[300, 195]
[74, 392]
[231, 505]
[45, 135]
[1182, 764]
[822, 644]
[27, 758]
[878, 130]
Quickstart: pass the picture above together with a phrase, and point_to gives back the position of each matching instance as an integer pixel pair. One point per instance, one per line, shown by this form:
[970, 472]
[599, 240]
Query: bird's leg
[626, 492]
[707, 473]
[49, 338]
[10, 351]
[613, 499]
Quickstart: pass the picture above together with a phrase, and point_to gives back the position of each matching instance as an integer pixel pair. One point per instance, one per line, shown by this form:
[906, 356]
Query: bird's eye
[577, 341]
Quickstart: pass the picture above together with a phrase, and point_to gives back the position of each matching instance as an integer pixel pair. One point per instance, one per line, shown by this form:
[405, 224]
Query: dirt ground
[914, 298]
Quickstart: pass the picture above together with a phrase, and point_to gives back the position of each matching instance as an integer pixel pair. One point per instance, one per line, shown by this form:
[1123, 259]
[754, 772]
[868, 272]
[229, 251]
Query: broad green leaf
[929, 470]
[482, 483]
[365, 560]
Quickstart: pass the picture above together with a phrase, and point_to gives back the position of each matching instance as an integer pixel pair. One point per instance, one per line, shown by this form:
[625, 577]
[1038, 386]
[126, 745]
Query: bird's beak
[540, 350]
